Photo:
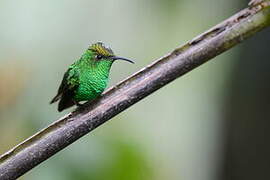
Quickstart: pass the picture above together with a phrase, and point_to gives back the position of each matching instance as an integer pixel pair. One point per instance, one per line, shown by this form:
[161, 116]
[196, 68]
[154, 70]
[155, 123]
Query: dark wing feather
[67, 89]
[63, 86]
[66, 100]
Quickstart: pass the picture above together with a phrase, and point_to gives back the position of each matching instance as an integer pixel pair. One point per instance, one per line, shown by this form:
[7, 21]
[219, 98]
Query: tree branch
[68, 129]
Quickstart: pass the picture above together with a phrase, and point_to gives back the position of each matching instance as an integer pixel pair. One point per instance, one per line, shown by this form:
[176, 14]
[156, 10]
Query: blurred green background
[210, 124]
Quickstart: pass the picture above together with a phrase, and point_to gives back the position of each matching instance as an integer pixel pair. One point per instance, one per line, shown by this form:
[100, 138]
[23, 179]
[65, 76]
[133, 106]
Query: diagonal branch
[68, 129]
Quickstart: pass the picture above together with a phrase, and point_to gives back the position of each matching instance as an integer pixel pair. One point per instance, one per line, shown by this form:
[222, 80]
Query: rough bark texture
[68, 129]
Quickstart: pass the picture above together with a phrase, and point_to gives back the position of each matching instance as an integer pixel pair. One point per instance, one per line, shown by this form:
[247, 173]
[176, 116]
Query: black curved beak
[121, 58]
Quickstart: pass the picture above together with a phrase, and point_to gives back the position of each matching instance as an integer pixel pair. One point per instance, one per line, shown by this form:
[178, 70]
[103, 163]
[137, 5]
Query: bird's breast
[90, 87]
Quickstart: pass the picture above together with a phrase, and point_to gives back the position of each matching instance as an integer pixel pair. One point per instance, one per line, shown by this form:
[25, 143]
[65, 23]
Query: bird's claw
[78, 104]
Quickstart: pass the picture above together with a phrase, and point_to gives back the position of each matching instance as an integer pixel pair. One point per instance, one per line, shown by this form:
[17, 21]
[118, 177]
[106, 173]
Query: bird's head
[102, 53]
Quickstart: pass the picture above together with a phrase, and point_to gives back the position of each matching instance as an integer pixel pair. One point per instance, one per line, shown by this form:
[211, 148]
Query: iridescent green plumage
[87, 78]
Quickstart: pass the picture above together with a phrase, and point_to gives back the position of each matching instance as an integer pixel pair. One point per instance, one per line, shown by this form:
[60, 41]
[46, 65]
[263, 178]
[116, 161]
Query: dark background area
[248, 112]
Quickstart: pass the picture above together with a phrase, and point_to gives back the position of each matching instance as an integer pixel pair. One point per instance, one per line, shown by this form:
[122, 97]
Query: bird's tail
[56, 98]
[65, 102]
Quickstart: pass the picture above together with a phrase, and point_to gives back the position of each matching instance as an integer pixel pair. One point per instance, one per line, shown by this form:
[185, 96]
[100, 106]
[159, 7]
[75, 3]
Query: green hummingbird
[87, 78]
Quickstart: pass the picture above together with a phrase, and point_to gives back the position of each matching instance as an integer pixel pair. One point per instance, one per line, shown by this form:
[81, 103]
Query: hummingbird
[86, 78]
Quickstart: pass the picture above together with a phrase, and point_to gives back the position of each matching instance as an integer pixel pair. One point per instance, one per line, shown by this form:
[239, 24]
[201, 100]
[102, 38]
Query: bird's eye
[99, 57]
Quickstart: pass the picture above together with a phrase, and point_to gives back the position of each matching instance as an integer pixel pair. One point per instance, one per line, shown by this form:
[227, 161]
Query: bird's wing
[69, 83]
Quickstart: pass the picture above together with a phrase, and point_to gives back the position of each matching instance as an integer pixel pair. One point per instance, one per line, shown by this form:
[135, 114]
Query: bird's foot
[78, 104]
